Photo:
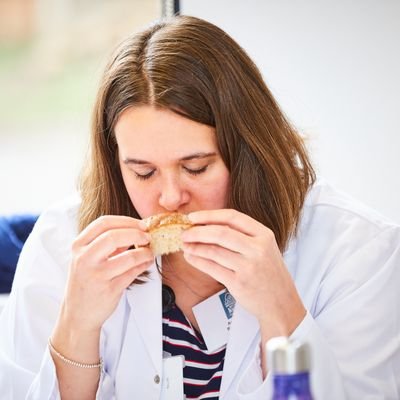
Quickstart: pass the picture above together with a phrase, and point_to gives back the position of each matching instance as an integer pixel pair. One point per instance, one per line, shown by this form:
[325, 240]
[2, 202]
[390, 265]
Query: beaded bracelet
[74, 363]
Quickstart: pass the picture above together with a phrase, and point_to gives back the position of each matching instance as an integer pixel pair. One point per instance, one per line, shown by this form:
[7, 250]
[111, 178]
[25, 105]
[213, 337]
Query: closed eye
[196, 171]
[144, 176]
[189, 170]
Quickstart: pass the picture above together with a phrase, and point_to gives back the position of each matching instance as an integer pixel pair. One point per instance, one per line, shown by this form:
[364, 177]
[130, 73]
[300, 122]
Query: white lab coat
[345, 262]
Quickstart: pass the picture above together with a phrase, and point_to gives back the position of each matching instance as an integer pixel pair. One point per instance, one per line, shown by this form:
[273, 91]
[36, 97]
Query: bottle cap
[285, 356]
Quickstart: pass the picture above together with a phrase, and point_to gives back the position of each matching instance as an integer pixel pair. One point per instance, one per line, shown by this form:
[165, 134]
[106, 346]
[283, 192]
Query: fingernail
[144, 239]
[142, 225]
[190, 215]
[183, 235]
[186, 247]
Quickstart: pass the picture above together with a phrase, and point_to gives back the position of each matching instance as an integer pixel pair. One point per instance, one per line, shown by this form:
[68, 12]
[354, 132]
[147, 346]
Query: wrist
[75, 323]
[73, 363]
[282, 325]
[75, 342]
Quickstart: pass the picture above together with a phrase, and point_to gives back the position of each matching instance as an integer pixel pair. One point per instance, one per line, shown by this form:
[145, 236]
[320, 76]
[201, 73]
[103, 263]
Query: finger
[221, 235]
[233, 218]
[216, 271]
[109, 242]
[216, 254]
[104, 224]
[123, 281]
[125, 261]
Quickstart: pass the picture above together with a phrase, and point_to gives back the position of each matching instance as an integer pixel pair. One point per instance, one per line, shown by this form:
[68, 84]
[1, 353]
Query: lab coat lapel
[145, 315]
[244, 328]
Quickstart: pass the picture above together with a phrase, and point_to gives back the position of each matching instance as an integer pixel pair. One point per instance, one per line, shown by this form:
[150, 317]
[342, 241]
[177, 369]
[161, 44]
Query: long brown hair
[195, 69]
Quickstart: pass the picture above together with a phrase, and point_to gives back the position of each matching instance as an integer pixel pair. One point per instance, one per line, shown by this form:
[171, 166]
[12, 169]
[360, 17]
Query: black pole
[177, 8]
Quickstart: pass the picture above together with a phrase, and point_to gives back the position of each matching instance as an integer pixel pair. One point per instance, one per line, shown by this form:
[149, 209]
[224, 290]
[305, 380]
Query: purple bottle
[289, 362]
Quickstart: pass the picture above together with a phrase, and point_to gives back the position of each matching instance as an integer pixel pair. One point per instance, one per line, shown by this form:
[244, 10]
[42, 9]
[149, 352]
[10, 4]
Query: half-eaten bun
[165, 231]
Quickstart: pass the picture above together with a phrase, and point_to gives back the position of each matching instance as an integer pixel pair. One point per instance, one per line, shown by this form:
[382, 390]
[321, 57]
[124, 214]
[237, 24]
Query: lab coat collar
[146, 312]
[244, 329]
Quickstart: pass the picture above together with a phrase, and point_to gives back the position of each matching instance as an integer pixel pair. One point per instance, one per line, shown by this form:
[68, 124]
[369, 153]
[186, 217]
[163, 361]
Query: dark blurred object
[14, 230]
[170, 8]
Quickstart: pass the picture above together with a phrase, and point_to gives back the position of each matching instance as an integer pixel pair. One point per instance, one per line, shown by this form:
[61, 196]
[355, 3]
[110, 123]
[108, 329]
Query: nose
[172, 194]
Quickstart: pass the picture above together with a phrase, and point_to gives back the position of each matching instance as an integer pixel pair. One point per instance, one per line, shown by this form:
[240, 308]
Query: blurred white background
[334, 68]
[332, 65]
[51, 55]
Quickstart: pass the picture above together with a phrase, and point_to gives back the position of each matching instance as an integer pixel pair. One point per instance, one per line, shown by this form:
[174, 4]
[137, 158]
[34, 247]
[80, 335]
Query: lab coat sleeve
[354, 333]
[27, 369]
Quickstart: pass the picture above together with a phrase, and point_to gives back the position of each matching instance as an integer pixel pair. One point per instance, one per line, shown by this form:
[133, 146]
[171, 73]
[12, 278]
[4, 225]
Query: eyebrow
[194, 156]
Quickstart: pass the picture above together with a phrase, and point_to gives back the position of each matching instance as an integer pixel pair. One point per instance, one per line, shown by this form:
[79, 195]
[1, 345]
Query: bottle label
[292, 387]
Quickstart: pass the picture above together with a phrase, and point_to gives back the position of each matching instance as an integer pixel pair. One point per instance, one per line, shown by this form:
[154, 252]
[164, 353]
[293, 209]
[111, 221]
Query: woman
[184, 122]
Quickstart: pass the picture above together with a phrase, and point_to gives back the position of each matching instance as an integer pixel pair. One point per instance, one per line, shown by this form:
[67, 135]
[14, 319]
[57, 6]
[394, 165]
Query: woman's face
[169, 163]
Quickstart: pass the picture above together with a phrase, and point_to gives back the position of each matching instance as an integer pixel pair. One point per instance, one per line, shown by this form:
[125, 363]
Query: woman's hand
[243, 255]
[103, 265]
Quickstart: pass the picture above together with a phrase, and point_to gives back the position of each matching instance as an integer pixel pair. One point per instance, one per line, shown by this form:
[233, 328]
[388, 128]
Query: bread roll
[165, 231]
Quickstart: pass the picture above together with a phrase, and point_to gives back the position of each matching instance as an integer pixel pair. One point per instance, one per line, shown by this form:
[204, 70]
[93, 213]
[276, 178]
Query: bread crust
[165, 232]
[165, 219]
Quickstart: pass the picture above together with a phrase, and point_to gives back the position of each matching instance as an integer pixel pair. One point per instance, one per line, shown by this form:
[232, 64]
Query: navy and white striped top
[202, 372]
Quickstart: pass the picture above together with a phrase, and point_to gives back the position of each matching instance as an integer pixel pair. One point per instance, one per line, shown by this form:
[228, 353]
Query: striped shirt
[202, 372]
